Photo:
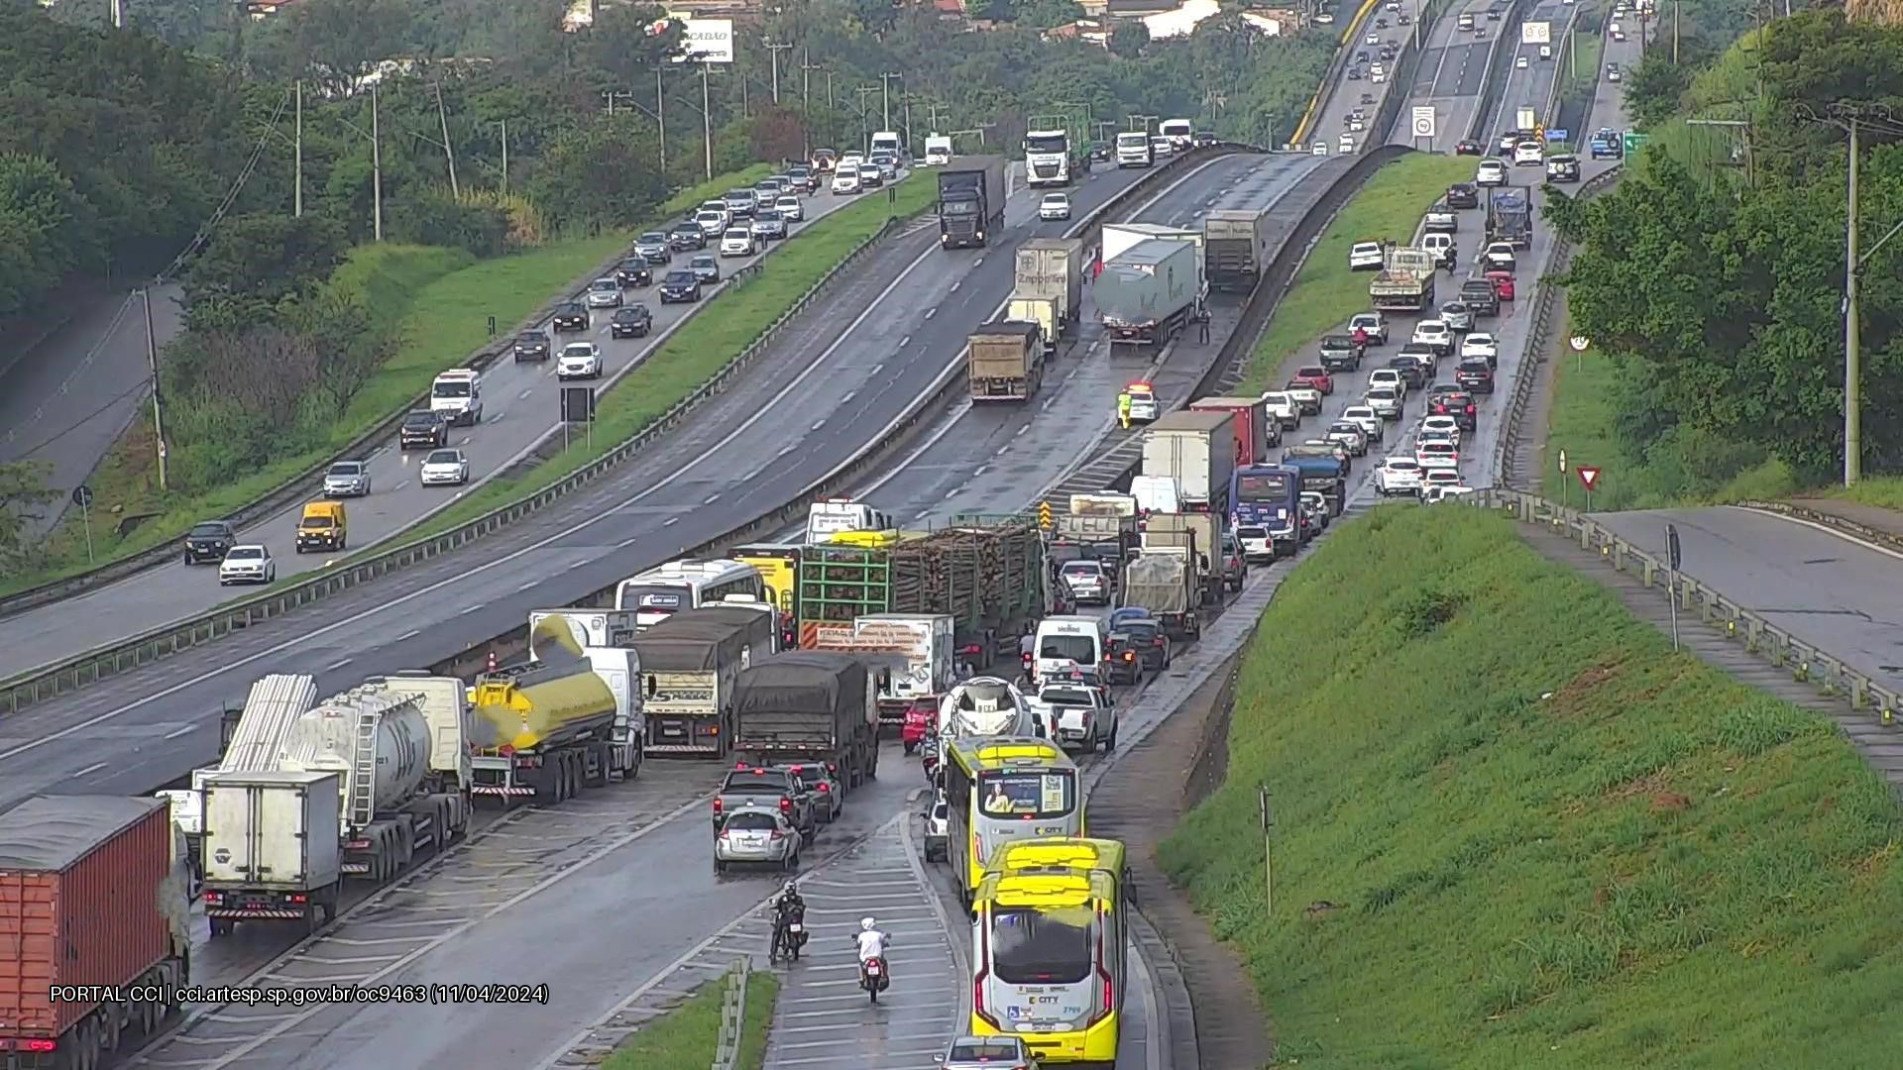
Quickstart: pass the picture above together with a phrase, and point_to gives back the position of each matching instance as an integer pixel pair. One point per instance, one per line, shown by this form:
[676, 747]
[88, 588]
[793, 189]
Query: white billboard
[1536, 33]
[706, 40]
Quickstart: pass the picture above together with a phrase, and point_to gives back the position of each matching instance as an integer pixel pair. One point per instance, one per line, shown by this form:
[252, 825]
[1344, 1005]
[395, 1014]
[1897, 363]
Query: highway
[1351, 94]
[65, 401]
[848, 371]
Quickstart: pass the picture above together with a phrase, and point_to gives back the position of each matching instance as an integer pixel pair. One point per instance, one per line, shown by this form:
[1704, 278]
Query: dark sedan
[1469, 147]
[634, 321]
[569, 317]
[633, 273]
[680, 287]
[531, 348]
[1150, 638]
[686, 238]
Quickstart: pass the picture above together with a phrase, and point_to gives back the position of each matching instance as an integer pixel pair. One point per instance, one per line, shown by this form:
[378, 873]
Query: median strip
[689, 1035]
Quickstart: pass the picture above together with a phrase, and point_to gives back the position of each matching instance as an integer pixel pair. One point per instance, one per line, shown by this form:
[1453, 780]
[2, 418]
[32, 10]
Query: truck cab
[1133, 150]
[1050, 158]
[833, 516]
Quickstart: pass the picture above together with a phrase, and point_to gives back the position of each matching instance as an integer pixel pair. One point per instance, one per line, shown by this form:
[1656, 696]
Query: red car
[1502, 284]
[1314, 377]
[918, 722]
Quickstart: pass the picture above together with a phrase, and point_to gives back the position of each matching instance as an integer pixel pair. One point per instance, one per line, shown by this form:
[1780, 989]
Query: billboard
[702, 40]
[1536, 33]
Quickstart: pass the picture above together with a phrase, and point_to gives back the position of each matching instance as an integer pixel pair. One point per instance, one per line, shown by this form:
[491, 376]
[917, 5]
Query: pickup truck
[1307, 399]
[1284, 408]
[769, 787]
[1480, 296]
[1441, 219]
[1366, 417]
[1339, 353]
[1079, 715]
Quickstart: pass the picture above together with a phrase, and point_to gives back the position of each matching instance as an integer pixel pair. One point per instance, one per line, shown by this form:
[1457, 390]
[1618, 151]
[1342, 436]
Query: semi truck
[1121, 237]
[546, 729]
[688, 666]
[1053, 268]
[1162, 580]
[1255, 431]
[1510, 218]
[1054, 157]
[1198, 450]
[970, 201]
[1149, 292]
[1005, 361]
[1199, 535]
[918, 650]
[779, 568]
[605, 637]
[1405, 282]
[987, 574]
[1236, 247]
[93, 928]
[809, 706]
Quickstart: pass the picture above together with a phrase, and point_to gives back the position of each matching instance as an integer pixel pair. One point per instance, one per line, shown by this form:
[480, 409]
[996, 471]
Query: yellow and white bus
[1048, 956]
[1004, 788]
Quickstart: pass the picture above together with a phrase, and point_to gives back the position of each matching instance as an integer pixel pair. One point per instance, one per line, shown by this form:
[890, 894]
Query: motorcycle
[788, 937]
[873, 977]
[928, 758]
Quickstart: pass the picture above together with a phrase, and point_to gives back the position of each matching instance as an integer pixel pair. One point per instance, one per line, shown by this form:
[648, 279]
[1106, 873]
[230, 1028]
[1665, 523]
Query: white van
[1156, 494]
[888, 141]
[938, 150]
[1064, 640]
[830, 517]
[457, 394]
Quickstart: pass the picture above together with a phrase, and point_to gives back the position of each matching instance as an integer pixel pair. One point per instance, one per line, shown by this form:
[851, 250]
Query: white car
[1436, 335]
[1345, 144]
[1364, 256]
[1437, 455]
[1283, 408]
[1307, 399]
[1372, 322]
[578, 360]
[1386, 401]
[710, 222]
[1397, 475]
[1440, 428]
[1499, 256]
[1519, 63]
[1528, 154]
[1387, 378]
[846, 181]
[790, 208]
[1364, 415]
[444, 468]
[1054, 206]
[1350, 436]
[1490, 173]
[1373, 40]
[1144, 407]
[1320, 148]
[1480, 344]
[1441, 477]
[737, 241]
[248, 563]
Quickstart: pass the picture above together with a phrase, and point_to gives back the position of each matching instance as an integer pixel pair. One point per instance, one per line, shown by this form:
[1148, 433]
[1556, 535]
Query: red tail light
[978, 999]
[507, 750]
[1158, 641]
[825, 787]
[786, 805]
[717, 808]
[36, 1046]
[1129, 655]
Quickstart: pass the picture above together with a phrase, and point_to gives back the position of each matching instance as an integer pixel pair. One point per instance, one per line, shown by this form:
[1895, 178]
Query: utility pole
[158, 409]
[863, 137]
[118, 15]
[707, 119]
[449, 150]
[1674, 32]
[660, 112]
[885, 87]
[376, 164]
[297, 153]
[1853, 359]
[908, 124]
[935, 107]
[773, 55]
[505, 156]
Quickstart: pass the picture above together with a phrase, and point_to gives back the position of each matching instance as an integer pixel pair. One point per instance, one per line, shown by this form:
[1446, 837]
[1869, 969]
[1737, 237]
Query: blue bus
[1267, 498]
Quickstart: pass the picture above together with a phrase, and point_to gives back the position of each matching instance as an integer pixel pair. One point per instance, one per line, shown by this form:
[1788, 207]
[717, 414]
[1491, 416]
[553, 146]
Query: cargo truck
[1255, 431]
[1103, 505]
[94, 942]
[1236, 248]
[1198, 450]
[688, 666]
[970, 201]
[1053, 268]
[1133, 150]
[1005, 361]
[1054, 157]
[779, 568]
[1149, 292]
[543, 730]
[810, 706]
[1405, 282]
[272, 849]
[1119, 238]
[987, 574]
[1041, 311]
[1161, 580]
[1510, 218]
[1199, 534]
[917, 650]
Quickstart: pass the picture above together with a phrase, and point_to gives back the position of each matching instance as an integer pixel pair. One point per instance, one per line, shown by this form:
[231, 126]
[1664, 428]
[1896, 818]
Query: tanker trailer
[378, 740]
[543, 730]
[984, 706]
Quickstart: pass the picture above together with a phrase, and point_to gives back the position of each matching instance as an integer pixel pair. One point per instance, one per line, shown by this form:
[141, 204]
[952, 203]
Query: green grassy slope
[1515, 830]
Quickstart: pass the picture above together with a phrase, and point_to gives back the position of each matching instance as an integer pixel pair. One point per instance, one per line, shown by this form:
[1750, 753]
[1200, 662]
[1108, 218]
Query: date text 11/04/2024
[304, 996]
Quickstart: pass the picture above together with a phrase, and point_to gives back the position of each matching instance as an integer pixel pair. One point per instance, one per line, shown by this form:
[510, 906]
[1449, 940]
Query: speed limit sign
[1424, 121]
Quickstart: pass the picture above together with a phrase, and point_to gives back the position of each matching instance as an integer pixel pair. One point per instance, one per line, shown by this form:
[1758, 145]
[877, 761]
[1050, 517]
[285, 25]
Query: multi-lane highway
[519, 407]
[1453, 69]
[1363, 94]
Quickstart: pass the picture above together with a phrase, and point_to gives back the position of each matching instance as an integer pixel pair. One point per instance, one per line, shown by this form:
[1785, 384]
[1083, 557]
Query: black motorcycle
[789, 935]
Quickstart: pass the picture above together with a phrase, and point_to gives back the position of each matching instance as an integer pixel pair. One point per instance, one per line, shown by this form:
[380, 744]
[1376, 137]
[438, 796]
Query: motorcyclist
[872, 943]
[789, 907]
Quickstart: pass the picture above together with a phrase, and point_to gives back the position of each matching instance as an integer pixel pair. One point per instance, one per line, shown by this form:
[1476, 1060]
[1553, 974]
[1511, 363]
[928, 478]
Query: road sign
[1044, 515]
[1580, 343]
[83, 496]
[1536, 33]
[1424, 121]
[1634, 140]
[1588, 477]
[1562, 462]
[578, 404]
[1557, 137]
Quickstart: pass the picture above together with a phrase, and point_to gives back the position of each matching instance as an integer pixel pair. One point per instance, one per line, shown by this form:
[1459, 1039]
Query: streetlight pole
[158, 408]
[1853, 358]
[707, 119]
[885, 92]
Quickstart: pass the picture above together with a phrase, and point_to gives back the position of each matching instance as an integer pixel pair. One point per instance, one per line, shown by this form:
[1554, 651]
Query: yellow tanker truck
[543, 730]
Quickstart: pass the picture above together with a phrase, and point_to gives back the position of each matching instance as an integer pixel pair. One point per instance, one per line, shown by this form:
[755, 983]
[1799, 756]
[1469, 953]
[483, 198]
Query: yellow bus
[1048, 955]
[1004, 788]
[779, 568]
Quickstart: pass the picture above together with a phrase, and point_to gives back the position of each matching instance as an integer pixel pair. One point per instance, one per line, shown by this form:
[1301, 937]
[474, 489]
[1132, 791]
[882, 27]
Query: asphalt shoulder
[1874, 517]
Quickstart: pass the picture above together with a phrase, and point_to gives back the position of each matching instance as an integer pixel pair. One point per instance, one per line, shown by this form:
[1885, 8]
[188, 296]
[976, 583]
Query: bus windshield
[1039, 795]
[656, 598]
[1042, 947]
[1265, 487]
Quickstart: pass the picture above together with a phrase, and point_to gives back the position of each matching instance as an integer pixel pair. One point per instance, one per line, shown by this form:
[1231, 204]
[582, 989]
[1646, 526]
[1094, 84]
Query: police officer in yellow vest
[1123, 409]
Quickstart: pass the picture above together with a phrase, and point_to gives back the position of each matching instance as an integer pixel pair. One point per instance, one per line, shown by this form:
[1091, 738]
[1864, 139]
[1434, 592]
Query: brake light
[978, 998]
[825, 787]
[717, 807]
[776, 834]
[1158, 641]
[786, 805]
[1129, 655]
[37, 1046]
[507, 750]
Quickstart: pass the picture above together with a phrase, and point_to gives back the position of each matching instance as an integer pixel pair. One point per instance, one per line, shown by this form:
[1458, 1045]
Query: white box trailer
[271, 848]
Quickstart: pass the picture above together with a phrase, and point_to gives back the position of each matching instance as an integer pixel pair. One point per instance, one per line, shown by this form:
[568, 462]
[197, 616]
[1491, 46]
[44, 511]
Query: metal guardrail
[1806, 663]
[309, 481]
[27, 689]
[733, 1015]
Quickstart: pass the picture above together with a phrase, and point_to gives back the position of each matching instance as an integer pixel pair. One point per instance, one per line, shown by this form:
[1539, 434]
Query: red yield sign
[1588, 476]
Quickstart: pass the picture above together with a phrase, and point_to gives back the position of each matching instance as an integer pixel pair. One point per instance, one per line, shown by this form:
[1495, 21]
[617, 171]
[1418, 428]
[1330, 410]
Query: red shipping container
[82, 881]
[1252, 429]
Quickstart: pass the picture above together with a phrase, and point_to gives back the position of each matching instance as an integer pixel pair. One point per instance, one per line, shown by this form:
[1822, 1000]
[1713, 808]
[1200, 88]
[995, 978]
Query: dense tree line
[1718, 296]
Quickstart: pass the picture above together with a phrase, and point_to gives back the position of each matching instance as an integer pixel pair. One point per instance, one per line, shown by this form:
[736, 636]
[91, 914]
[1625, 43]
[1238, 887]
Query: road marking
[527, 584]
[876, 367]
[338, 664]
[185, 731]
[93, 768]
[956, 285]
[1826, 529]
[817, 425]
[624, 543]
[930, 312]
[467, 609]
[711, 499]
[848, 396]
[523, 396]
[409, 635]
[670, 521]
[903, 342]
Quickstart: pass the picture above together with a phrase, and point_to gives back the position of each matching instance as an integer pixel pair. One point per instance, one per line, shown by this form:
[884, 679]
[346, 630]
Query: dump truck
[1405, 282]
[688, 666]
[970, 201]
[987, 574]
[1255, 431]
[1203, 531]
[1236, 248]
[917, 650]
[94, 930]
[1510, 217]
[546, 729]
[1162, 580]
[1005, 361]
[1198, 450]
[810, 706]
[1052, 268]
[1149, 292]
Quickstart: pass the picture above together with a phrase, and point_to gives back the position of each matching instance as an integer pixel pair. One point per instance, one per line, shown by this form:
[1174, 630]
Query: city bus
[1003, 788]
[1048, 949]
[667, 589]
[779, 568]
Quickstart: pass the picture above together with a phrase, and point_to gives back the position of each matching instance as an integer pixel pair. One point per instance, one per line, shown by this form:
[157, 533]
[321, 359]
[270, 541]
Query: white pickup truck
[1078, 714]
[1283, 406]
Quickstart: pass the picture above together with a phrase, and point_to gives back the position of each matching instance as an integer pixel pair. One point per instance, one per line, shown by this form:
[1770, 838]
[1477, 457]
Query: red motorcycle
[873, 977]
[918, 724]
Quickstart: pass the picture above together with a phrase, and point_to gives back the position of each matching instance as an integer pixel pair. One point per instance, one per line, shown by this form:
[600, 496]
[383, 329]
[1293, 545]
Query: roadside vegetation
[1514, 829]
[685, 1037]
[1325, 292]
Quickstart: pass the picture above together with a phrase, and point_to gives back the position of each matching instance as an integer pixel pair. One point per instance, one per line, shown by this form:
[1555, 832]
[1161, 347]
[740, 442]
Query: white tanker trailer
[984, 706]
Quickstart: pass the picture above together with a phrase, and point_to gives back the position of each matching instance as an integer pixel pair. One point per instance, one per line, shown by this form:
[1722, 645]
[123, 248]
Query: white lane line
[185, 731]
[332, 667]
[93, 768]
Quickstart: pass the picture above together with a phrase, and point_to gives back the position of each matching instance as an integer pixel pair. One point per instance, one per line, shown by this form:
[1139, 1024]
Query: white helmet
[865, 925]
[789, 887]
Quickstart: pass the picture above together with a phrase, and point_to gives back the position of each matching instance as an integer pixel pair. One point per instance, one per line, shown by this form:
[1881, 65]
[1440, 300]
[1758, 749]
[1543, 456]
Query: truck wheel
[221, 927]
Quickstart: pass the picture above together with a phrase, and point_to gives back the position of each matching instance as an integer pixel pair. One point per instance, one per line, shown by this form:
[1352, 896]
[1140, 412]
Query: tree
[265, 257]
[600, 173]
[337, 42]
[1655, 87]
[1128, 38]
[23, 494]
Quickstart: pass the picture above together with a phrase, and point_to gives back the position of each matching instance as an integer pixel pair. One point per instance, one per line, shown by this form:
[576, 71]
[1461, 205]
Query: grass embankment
[438, 301]
[685, 1037]
[1326, 293]
[1513, 829]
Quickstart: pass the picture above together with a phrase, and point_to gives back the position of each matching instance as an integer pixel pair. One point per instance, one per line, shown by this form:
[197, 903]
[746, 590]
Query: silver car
[988, 1053]
[755, 836]
[1086, 582]
[347, 479]
[938, 830]
[604, 293]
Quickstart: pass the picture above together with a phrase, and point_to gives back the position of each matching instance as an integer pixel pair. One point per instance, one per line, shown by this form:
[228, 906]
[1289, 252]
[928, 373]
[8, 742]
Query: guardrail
[733, 1015]
[39, 685]
[1806, 663]
[309, 482]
